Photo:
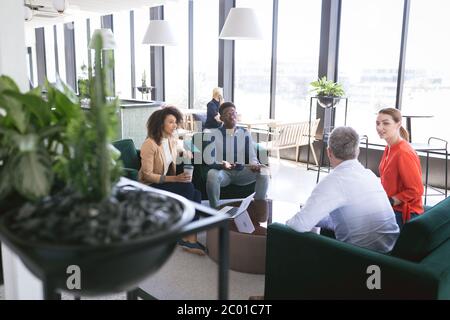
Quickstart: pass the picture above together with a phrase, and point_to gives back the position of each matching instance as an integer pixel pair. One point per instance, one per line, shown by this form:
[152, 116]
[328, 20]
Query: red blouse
[401, 177]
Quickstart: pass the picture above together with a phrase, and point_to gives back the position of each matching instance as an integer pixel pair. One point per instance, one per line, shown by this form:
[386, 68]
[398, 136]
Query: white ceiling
[86, 8]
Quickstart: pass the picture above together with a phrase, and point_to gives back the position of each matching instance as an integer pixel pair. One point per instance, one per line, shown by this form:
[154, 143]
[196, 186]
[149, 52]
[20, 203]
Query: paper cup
[189, 170]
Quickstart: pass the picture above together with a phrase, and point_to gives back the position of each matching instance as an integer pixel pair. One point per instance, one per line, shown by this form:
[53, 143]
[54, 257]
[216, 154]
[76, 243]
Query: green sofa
[311, 266]
[130, 157]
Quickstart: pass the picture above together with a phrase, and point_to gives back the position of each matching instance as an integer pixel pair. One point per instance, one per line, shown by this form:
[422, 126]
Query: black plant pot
[105, 269]
[328, 102]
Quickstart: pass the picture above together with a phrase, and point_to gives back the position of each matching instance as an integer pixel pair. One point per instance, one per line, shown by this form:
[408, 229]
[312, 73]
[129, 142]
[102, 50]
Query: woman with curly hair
[158, 164]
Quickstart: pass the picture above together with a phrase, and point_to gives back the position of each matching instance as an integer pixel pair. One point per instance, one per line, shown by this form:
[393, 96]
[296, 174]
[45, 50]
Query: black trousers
[184, 189]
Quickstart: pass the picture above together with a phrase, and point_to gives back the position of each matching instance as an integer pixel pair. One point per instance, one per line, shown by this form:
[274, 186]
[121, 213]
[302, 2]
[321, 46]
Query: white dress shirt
[168, 159]
[352, 202]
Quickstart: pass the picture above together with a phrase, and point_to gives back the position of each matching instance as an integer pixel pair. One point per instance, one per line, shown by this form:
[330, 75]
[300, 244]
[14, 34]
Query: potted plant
[59, 171]
[327, 91]
[84, 85]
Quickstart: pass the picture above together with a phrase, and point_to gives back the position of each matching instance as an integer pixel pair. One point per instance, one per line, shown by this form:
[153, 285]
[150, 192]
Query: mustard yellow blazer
[153, 161]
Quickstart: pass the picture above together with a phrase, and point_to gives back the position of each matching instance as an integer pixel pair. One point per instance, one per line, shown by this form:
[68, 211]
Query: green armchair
[311, 266]
[130, 157]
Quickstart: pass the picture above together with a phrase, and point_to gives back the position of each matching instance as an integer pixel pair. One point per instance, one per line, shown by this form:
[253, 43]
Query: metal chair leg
[321, 161]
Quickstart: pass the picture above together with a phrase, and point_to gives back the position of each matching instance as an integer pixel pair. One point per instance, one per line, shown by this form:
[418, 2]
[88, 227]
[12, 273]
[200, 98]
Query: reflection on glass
[252, 65]
[177, 57]
[122, 58]
[297, 60]
[427, 77]
[142, 51]
[81, 44]
[206, 50]
[368, 59]
[50, 58]
[61, 51]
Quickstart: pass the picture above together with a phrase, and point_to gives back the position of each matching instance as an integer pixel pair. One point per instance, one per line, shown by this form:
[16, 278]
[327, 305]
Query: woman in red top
[400, 170]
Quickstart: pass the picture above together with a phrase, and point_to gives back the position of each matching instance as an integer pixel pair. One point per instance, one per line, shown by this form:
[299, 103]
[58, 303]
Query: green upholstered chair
[200, 175]
[311, 266]
[130, 157]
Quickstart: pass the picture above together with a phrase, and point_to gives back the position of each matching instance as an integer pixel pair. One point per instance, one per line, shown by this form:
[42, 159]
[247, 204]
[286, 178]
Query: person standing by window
[212, 115]
[400, 170]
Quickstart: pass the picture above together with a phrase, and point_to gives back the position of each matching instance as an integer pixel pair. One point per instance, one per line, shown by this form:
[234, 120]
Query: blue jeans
[222, 178]
[399, 218]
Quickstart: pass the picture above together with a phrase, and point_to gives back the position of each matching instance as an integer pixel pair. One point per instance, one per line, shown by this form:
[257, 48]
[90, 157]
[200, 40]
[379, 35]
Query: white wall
[19, 282]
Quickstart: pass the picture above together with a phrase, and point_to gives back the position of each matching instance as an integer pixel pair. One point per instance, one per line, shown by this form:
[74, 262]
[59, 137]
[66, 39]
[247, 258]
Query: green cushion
[422, 235]
[128, 154]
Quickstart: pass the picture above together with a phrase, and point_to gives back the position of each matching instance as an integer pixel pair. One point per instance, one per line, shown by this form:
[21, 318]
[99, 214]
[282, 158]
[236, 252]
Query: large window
[142, 51]
[176, 57]
[206, 50]
[252, 65]
[368, 59]
[298, 57]
[81, 44]
[50, 53]
[122, 57]
[30, 41]
[427, 71]
[61, 51]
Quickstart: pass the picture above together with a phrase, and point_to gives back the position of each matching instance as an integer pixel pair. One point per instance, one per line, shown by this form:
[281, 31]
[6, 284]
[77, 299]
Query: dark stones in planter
[115, 243]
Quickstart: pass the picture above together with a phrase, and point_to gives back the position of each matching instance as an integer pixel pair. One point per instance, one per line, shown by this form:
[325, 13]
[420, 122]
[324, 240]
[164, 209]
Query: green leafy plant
[93, 167]
[51, 141]
[83, 83]
[328, 88]
[32, 136]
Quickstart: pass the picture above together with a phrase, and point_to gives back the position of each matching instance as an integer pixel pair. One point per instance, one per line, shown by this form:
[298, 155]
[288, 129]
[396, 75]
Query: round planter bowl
[327, 102]
[104, 269]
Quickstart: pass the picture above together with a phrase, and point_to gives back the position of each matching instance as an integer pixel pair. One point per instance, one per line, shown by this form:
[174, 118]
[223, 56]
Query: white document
[243, 223]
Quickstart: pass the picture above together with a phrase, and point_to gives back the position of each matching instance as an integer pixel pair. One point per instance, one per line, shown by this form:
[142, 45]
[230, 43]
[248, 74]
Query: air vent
[44, 14]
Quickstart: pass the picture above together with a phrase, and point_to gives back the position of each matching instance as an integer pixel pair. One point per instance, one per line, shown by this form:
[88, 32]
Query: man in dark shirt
[234, 158]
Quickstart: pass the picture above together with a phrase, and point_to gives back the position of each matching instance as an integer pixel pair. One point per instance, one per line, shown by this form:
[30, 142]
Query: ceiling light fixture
[159, 33]
[241, 24]
[60, 5]
[108, 42]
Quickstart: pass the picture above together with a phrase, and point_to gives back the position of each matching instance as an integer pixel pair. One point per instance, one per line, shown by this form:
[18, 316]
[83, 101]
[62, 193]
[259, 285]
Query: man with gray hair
[350, 201]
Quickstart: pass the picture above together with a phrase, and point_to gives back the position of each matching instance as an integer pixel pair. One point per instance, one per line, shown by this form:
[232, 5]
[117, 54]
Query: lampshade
[241, 24]
[28, 13]
[159, 33]
[107, 39]
[60, 5]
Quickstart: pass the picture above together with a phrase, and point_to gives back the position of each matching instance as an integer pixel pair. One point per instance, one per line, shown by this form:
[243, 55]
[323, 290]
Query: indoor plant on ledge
[58, 175]
[327, 91]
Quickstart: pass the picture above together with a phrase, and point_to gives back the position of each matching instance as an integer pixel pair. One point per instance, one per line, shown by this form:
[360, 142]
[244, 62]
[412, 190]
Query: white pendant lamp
[241, 24]
[60, 5]
[28, 13]
[108, 42]
[159, 33]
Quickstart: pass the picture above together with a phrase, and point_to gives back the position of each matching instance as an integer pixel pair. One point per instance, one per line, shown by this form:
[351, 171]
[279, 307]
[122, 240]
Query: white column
[19, 282]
